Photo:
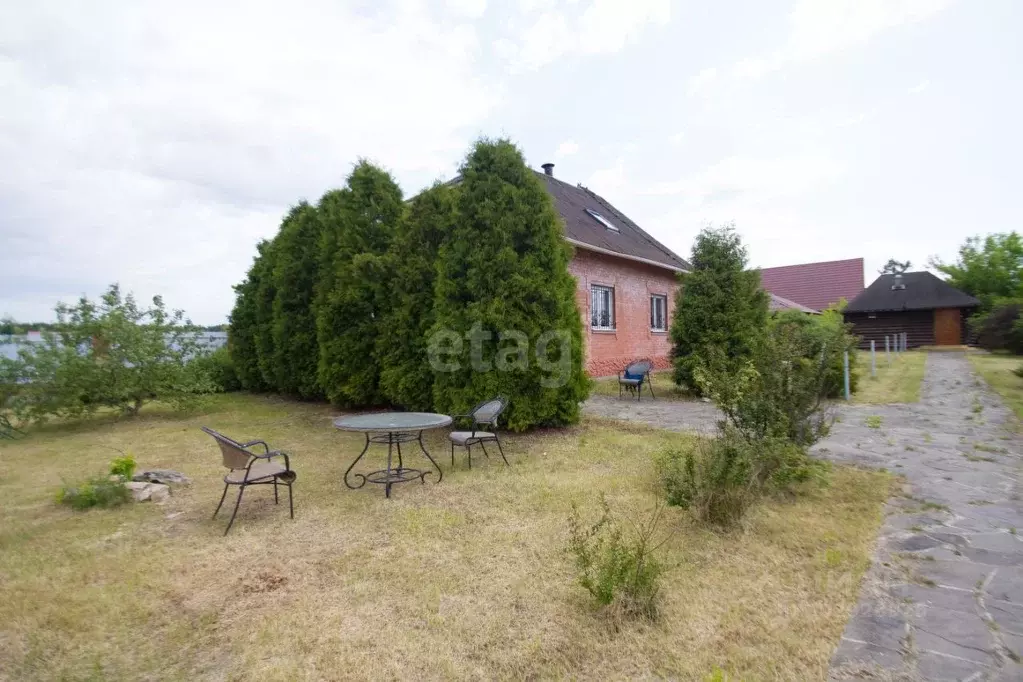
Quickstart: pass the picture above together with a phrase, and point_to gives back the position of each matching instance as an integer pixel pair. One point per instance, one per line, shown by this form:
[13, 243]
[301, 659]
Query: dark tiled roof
[923, 291]
[776, 303]
[571, 202]
[816, 285]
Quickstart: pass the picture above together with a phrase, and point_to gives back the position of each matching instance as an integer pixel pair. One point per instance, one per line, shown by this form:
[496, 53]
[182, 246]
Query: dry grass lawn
[664, 387]
[899, 383]
[997, 372]
[468, 579]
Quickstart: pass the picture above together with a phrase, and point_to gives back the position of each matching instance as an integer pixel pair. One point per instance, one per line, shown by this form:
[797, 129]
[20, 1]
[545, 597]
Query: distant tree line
[357, 297]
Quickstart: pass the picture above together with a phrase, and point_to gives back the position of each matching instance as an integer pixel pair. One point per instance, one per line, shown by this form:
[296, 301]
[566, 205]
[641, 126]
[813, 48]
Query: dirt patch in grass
[899, 383]
[664, 387]
[466, 579]
[996, 369]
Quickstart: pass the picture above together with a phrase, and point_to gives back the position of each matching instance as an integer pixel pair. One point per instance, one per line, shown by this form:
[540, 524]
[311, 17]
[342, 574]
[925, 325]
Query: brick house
[625, 280]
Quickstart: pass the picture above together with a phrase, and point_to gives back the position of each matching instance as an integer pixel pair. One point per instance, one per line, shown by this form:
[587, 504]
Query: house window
[658, 313]
[602, 307]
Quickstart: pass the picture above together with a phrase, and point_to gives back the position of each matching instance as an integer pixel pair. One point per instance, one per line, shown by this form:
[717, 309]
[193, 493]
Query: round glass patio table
[392, 429]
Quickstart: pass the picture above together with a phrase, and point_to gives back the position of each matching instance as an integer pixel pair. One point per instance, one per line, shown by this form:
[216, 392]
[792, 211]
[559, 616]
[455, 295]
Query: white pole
[845, 365]
[873, 362]
[887, 351]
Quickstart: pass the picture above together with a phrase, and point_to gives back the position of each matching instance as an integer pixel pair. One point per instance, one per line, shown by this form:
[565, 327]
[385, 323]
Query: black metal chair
[632, 378]
[484, 414]
[251, 468]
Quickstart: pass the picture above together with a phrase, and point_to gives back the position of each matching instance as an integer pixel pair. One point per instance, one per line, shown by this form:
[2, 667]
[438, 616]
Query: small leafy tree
[241, 335]
[989, 268]
[505, 301]
[358, 223]
[1000, 327]
[406, 378]
[720, 306]
[113, 353]
[295, 276]
[895, 267]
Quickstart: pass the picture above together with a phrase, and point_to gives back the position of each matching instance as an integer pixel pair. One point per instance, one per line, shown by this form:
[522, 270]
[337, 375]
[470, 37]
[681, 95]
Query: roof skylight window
[602, 220]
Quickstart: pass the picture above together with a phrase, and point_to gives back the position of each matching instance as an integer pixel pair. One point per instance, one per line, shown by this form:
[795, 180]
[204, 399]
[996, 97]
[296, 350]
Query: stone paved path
[943, 599]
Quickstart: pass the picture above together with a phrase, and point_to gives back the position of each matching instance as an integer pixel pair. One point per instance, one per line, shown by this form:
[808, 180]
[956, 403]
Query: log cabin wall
[918, 325]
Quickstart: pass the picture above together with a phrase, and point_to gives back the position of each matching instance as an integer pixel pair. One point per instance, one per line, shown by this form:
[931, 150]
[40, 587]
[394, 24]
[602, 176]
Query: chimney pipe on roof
[548, 168]
[897, 283]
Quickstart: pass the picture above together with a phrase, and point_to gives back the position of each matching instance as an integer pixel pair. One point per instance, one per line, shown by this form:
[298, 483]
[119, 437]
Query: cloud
[603, 26]
[702, 80]
[467, 8]
[751, 180]
[609, 181]
[821, 27]
[919, 87]
[567, 148]
[153, 148]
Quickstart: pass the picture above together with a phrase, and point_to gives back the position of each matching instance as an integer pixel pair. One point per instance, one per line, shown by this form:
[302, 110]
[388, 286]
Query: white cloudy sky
[153, 143]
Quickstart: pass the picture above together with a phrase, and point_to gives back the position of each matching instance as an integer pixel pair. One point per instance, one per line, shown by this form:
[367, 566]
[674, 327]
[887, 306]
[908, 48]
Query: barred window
[658, 313]
[602, 307]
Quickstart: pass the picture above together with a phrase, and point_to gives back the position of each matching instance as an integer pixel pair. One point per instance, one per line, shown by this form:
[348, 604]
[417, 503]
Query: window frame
[664, 312]
[610, 290]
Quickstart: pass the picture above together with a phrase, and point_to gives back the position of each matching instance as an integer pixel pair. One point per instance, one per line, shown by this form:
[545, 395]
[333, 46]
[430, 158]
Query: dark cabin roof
[631, 241]
[923, 291]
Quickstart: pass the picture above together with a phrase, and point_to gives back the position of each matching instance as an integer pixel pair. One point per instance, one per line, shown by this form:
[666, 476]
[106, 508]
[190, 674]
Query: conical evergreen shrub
[263, 332]
[406, 378]
[241, 337]
[358, 225]
[503, 280]
[295, 276]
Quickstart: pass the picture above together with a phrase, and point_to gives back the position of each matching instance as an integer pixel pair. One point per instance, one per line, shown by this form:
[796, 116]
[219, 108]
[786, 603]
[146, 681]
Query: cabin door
[947, 326]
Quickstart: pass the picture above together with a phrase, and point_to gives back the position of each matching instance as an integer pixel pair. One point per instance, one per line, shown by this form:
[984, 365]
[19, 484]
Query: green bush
[406, 378]
[1000, 328]
[720, 479]
[111, 353]
[100, 491]
[506, 321]
[827, 330]
[219, 370]
[123, 466]
[354, 296]
[296, 276]
[716, 479]
[241, 336]
[619, 570]
[781, 392]
[720, 306]
[1018, 371]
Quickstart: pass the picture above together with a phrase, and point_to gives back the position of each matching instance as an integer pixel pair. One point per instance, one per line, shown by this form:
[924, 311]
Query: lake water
[9, 344]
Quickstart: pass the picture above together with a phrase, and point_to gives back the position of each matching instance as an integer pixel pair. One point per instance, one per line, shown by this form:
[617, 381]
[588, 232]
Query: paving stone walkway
[943, 598]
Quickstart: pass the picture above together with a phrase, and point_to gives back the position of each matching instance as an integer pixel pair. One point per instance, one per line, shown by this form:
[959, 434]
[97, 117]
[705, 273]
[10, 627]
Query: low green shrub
[1018, 371]
[100, 491]
[619, 570]
[123, 466]
[719, 479]
[218, 366]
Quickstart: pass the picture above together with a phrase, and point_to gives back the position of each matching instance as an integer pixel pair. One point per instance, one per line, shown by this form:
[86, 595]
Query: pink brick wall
[607, 352]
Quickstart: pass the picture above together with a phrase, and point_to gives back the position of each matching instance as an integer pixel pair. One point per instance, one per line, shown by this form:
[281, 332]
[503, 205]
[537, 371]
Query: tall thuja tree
[295, 349]
[720, 308]
[406, 378]
[263, 330]
[359, 223]
[506, 318]
[241, 334]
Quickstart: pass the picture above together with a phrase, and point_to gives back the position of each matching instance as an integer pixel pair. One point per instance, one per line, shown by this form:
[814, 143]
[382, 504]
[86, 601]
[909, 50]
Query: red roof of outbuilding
[816, 285]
